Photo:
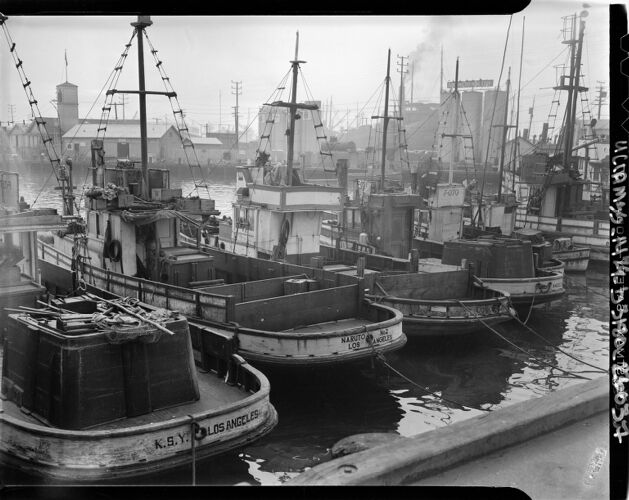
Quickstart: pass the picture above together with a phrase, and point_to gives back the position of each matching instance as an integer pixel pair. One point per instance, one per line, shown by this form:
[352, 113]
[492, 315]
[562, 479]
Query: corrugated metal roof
[117, 131]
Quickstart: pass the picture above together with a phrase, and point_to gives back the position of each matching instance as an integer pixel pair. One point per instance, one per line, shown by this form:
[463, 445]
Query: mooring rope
[380, 357]
[493, 330]
[587, 289]
[556, 347]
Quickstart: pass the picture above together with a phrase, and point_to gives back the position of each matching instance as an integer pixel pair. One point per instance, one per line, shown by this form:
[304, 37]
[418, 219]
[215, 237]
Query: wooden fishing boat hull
[328, 343]
[351, 333]
[122, 451]
[527, 292]
[576, 260]
[554, 265]
[445, 318]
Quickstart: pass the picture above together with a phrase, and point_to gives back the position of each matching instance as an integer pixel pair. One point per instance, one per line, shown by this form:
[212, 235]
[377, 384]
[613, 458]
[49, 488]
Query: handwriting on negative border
[617, 292]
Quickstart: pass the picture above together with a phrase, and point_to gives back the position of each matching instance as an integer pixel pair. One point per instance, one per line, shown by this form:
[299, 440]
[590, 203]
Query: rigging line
[310, 96]
[41, 127]
[493, 330]
[383, 360]
[42, 188]
[271, 115]
[77, 131]
[601, 370]
[183, 129]
[469, 127]
[587, 289]
[491, 123]
[545, 67]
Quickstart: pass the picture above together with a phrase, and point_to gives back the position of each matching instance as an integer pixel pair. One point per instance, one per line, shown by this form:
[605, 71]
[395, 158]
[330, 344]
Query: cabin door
[123, 150]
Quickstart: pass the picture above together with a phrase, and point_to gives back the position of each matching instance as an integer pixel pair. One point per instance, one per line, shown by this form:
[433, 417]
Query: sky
[346, 60]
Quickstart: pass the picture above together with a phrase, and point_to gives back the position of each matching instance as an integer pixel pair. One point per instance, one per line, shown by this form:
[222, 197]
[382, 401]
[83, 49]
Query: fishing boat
[553, 177]
[96, 389]
[133, 247]
[379, 218]
[440, 301]
[507, 265]
[18, 253]
[576, 258]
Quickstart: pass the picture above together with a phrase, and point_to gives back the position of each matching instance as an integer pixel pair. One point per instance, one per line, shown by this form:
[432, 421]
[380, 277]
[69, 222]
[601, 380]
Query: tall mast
[516, 148]
[142, 22]
[505, 127]
[455, 138]
[441, 78]
[575, 72]
[385, 124]
[293, 113]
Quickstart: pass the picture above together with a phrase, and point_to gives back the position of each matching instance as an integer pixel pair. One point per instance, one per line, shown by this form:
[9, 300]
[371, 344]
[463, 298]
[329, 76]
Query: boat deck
[213, 391]
[331, 326]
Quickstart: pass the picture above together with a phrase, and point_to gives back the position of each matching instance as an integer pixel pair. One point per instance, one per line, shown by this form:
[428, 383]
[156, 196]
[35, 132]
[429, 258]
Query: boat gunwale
[388, 323]
[329, 358]
[99, 434]
[547, 275]
[500, 300]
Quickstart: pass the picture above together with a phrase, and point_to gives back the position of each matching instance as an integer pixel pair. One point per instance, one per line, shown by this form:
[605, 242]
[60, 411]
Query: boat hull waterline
[527, 292]
[435, 318]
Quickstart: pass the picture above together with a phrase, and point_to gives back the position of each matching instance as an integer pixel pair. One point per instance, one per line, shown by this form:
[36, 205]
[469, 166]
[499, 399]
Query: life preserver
[284, 232]
[114, 250]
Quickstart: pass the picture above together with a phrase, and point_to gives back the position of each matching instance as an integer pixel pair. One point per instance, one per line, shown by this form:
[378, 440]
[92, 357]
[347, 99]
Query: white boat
[576, 258]
[97, 390]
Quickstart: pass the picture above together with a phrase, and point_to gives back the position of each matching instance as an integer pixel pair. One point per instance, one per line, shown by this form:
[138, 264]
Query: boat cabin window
[245, 217]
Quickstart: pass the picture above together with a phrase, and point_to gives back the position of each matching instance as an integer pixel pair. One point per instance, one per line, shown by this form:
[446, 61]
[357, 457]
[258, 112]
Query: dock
[555, 446]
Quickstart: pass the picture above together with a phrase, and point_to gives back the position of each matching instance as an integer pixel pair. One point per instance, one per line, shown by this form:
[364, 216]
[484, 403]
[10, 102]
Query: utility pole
[412, 80]
[248, 123]
[123, 98]
[11, 111]
[401, 63]
[602, 94]
[115, 105]
[219, 110]
[531, 110]
[441, 79]
[237, 90]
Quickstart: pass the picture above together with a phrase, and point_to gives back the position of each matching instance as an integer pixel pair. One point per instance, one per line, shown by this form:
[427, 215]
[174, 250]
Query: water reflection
[317, 408]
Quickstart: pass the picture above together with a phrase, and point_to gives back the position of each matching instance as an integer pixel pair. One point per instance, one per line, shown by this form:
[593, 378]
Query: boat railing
[447, 308]
[586, 227]
[190, 302]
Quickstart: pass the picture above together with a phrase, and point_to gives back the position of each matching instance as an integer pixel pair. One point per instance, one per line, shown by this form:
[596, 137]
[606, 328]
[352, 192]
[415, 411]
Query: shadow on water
[316, 408]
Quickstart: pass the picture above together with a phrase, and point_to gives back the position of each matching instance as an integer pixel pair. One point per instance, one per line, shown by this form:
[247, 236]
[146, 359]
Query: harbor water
[432, 385]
